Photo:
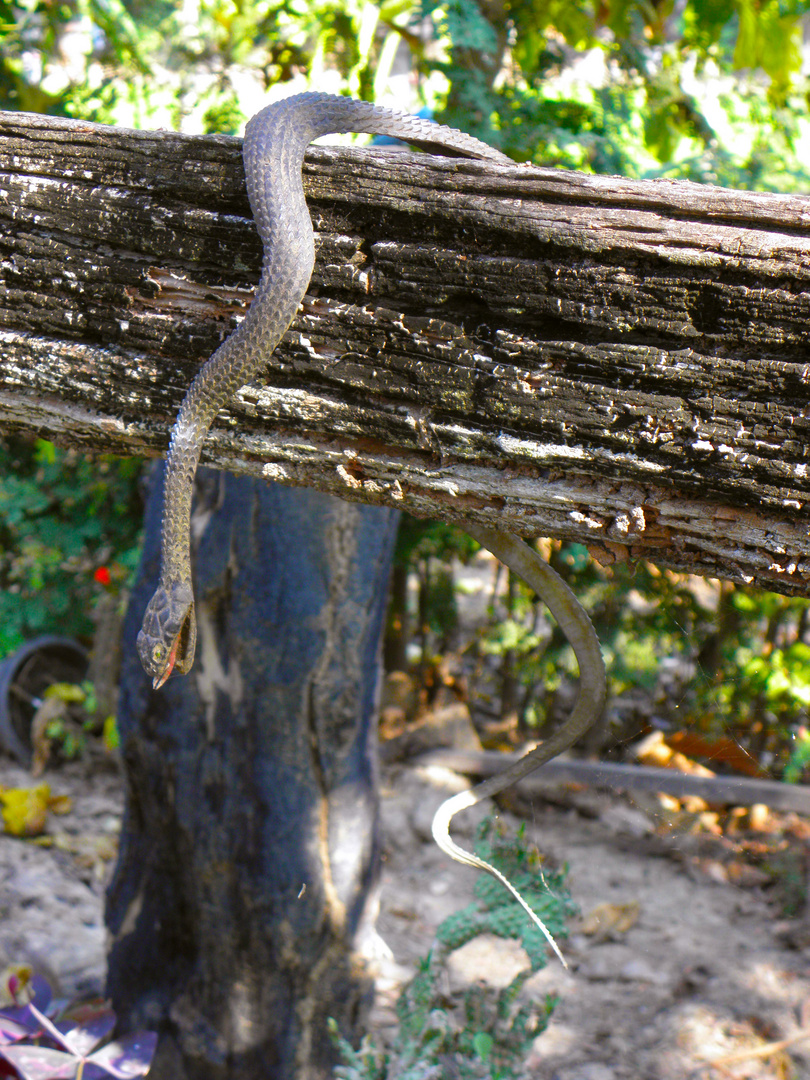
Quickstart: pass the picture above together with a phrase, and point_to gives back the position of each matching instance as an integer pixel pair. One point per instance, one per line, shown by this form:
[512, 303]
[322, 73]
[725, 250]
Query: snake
[275, 142]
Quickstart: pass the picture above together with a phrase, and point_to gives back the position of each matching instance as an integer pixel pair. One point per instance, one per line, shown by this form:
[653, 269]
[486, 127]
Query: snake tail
[580, 634]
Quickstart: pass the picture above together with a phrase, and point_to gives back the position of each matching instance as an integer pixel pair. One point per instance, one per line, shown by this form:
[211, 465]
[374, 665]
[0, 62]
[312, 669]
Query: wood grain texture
[615, 362]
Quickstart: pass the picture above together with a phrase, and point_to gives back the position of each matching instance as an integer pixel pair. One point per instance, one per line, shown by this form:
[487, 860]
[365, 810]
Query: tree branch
[614, 362]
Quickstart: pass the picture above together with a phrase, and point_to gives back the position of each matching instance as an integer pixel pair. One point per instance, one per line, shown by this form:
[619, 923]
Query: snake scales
[275, 142]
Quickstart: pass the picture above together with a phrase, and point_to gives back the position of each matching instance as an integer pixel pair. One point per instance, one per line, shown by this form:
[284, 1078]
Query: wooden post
[244, 887]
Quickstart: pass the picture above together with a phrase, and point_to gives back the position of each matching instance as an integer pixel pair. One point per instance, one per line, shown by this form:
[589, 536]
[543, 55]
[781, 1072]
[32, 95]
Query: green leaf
[482, 1044]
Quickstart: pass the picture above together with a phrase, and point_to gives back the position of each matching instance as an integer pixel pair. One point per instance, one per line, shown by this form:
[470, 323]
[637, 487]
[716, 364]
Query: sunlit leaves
[769, 37]
[710, 90]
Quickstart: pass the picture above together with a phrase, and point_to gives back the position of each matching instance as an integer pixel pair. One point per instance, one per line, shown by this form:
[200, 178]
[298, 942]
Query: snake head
[169, 633]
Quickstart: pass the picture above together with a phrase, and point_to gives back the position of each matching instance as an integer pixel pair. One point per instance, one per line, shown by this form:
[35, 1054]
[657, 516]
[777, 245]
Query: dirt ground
[703, 972]
[690, 961]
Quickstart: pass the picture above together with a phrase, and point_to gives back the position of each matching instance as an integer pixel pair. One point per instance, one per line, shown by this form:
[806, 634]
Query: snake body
[273, 152]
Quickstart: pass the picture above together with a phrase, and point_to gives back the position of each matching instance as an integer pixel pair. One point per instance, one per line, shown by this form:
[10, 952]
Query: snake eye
[157, 653]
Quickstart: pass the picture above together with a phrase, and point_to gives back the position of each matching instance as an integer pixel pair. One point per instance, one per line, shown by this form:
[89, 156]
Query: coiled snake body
[275, 142]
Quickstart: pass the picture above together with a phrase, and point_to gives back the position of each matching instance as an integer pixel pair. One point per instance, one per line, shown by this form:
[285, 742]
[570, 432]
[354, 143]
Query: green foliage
[41, 42]
[751, 672]
[491, 1032]
[799, 760]
[711, 90]
[65, 736]
[428, 548]
[204, 67]
[63, 519]
[495, 911]
[738, 658]
[741, 655]
[420, 539]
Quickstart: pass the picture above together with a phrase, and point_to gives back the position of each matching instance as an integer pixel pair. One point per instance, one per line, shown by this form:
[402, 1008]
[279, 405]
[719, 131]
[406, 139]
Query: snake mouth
[182, 650]
[159, 680]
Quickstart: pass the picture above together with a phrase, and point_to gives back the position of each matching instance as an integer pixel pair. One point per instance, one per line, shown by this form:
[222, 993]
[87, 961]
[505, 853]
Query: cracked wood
[615, 362]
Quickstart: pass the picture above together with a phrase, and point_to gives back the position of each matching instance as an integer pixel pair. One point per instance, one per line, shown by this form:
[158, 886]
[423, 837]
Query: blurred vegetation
[69, 530]
[722, 661]
[708, 90]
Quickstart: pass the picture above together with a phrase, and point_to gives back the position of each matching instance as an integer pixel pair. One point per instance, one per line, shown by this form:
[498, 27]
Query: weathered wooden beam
[728, 790]
[615, 362]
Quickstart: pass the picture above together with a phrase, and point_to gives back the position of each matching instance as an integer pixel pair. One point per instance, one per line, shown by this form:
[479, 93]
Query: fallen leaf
[608, 919]
[25, 810]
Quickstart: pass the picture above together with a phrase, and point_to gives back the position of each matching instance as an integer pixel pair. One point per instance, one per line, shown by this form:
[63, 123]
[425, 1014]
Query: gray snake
[273, 152]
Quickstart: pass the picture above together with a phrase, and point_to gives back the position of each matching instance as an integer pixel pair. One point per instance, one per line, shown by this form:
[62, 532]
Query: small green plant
[486, 1035]
[64, 722]
[494, 911]
[65, 520]
[39, 1042]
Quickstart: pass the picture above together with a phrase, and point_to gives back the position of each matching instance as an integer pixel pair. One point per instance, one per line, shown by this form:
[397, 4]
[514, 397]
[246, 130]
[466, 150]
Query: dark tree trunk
[250, 846]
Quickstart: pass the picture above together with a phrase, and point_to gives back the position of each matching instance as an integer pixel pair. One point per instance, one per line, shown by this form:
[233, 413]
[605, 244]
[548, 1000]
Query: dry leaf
[25, 810]
[608, 919]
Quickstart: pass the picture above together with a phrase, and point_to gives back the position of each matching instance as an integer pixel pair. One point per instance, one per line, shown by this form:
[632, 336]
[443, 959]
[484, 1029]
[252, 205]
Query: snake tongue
[159, 680]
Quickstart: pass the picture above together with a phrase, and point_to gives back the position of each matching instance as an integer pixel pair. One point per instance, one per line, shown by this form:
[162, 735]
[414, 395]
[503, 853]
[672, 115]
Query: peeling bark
[619, 363]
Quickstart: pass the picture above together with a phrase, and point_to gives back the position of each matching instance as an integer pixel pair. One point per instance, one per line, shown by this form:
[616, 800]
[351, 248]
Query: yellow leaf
[70, 693]
[110, 735]
[25, 810]
[14, 981]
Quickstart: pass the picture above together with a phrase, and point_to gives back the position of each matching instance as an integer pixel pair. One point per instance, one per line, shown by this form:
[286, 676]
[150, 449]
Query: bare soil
[704, 970]
[690, 961]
